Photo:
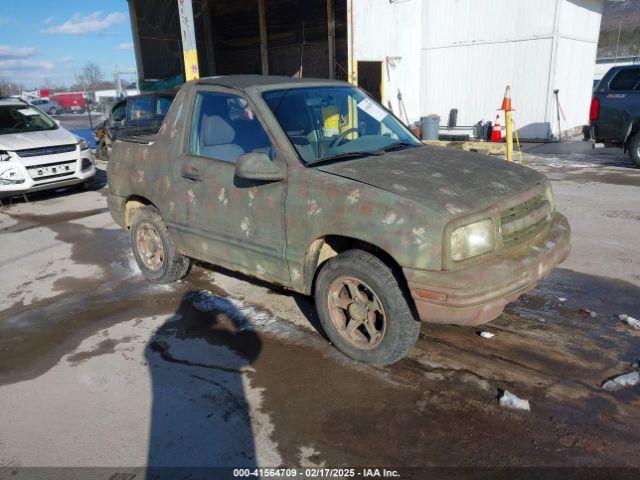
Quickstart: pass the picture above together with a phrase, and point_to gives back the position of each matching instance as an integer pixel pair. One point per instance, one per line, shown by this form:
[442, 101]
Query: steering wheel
[338, 141]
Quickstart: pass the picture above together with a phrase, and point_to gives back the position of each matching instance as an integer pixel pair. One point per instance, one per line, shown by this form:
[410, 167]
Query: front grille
[524, 220]
[37, 152]
[49, 177]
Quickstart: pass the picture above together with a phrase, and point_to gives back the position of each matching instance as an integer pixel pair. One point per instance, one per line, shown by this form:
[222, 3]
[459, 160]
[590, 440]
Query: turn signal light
[431, 295]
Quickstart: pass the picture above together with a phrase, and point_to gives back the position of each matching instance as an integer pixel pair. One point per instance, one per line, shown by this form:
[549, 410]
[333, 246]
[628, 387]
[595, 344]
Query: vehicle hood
[440, 178]
[46, 138]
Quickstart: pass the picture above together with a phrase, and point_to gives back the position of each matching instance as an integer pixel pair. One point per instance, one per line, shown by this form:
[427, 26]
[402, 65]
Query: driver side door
[232, 222]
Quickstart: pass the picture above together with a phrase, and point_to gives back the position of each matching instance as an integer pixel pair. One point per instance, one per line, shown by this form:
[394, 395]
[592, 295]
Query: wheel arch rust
[324, 248]
[131, 205]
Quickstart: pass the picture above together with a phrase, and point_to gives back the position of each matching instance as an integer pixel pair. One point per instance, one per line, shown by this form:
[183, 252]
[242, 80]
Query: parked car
[615, 110]
[38, 154]
[46, 105]
[135, 115]
[313, 185]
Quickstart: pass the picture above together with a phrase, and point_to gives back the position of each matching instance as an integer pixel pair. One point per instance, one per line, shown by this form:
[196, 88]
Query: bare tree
[7, 87]
[90, 76]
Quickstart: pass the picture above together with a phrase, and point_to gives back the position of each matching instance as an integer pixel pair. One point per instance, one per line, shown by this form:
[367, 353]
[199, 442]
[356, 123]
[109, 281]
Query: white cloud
[20, 65]
[125, 46]
[92, 23]
[7, 51]
[48, 20]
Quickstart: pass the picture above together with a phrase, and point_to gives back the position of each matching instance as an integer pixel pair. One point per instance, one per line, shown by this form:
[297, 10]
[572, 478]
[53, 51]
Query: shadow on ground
[196, 361]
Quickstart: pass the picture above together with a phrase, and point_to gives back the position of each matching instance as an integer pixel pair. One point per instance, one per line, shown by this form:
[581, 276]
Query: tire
[53, 111]
[634, 149]
[372, 276]
[166, 265]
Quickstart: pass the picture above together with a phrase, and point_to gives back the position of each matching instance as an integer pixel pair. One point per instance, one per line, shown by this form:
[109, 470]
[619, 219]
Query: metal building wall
[389, 32]
[470, 50]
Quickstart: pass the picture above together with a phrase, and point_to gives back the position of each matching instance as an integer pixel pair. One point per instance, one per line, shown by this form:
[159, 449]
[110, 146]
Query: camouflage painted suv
[312, 185]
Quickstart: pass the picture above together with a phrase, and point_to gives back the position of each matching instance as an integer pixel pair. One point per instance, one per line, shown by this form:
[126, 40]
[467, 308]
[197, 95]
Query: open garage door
[279, 37]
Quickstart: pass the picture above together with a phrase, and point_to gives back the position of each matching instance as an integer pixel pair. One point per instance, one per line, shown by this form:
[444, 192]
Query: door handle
[191, 174]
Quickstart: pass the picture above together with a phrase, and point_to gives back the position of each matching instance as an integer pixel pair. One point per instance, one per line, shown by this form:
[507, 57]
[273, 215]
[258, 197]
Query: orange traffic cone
[496, 133]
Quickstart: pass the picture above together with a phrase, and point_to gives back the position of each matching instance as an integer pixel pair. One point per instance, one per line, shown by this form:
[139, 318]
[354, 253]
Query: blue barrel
[430, 126]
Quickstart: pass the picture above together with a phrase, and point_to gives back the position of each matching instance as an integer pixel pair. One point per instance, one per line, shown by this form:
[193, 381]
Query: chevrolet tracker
[313, 185]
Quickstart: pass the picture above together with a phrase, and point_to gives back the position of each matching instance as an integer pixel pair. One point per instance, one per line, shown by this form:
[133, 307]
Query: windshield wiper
[399, 145]
[347, 155]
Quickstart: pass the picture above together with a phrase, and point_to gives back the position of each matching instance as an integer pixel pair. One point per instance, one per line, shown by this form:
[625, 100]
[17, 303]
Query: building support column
[264, 47]
[331, 37]
[352, 65]
[188, 35]
[133, 16]
[209, 37]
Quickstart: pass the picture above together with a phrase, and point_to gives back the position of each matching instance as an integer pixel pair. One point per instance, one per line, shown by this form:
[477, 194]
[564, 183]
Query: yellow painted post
[188, 35]
[508, 120]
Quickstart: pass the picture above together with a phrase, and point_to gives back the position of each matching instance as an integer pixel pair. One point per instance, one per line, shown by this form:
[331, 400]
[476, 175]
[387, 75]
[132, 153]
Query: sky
[51, 40]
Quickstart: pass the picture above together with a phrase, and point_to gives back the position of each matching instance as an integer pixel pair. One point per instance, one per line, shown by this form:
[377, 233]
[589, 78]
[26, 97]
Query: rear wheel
[154, 250]
[363, 309]
[634, 149]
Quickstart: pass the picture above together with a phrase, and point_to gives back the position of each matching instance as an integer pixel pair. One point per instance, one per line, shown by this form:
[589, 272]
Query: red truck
[70, 101]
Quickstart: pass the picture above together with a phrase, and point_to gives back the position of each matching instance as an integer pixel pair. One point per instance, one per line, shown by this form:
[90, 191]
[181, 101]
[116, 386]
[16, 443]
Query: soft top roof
[242, 82]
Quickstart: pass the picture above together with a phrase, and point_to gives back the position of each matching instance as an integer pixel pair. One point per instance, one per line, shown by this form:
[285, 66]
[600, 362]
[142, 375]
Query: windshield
[326, 123]
[23, 118]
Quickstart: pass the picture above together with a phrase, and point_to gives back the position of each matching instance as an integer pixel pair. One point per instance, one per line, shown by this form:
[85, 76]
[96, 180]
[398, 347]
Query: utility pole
[618, 42]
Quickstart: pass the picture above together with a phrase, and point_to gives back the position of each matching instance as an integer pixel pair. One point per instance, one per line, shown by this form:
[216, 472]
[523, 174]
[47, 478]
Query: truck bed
[147, 138]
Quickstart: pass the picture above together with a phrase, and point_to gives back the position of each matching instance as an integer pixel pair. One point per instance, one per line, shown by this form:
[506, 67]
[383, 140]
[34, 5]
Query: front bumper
[72, 177]
[479, 293]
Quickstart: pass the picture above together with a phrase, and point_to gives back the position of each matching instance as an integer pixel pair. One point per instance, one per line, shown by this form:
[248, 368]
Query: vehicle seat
[216, 139]
[294, 120]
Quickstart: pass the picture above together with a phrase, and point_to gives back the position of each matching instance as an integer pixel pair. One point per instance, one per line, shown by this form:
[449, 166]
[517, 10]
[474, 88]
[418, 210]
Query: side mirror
[258, 166]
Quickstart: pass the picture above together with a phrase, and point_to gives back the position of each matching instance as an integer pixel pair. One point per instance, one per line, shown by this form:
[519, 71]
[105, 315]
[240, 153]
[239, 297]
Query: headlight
[472, 240]
[550, 198]
[84, 145]
[4, 156]
[12, 176]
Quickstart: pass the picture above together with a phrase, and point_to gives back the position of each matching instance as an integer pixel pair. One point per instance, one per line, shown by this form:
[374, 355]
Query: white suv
[38, 154]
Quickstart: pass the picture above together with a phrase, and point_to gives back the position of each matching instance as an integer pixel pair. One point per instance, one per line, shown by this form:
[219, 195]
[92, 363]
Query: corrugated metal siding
[473, 78]
[574, 79]
[580, 19]
[382, 30]
[465, 21]
[471, 50]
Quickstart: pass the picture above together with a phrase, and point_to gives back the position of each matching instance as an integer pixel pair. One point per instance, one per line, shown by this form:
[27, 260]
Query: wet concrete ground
[100, 368]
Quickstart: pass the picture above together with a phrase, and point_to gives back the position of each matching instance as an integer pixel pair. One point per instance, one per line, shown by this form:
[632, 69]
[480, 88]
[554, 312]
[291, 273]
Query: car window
[626, 80]
[163, 104]
[224, 127]
[119, 113]
[22, 118]
[325, 122]
[141, 109]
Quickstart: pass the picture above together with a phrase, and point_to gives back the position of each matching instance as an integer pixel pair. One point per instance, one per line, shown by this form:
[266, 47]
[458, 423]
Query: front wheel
[634, 149]
[363, 309]
[154, 250]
